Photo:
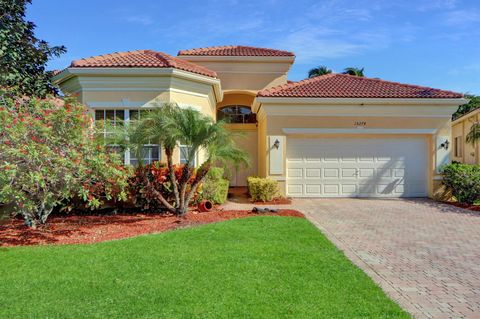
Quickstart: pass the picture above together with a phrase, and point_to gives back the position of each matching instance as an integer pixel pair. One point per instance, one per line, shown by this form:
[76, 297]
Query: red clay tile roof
[348, 86]
[141, 59]
[235, 50]
[55, 72]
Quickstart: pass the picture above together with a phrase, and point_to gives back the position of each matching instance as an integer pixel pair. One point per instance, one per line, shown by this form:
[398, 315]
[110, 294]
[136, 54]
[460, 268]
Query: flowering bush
[151, 181]
[49, 154]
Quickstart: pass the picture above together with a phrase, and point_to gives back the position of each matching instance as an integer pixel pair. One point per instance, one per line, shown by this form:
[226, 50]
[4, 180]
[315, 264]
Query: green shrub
[464, 181]
[263, 189]
[48, 156]
[215, 187]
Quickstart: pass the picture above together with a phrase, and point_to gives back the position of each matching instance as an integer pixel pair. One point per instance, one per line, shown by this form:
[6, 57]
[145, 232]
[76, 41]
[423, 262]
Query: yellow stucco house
[462, 151]
[331, 136]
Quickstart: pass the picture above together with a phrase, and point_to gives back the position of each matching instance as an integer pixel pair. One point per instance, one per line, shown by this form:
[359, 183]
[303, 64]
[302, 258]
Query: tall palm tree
[354, 71]
[172, 126]
[320, 70]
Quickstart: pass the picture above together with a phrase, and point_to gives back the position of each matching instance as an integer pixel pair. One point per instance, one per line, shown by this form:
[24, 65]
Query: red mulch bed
[475, 208]
[97, 228]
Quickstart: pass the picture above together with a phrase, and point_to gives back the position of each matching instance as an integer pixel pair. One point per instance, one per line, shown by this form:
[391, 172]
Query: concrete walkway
[425, 255]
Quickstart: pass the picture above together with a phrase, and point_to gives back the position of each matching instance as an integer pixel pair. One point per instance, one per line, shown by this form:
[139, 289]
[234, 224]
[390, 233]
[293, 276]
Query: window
[149, 153]
[458, 141]
[109, 118]
[185, 153]
[237, 114]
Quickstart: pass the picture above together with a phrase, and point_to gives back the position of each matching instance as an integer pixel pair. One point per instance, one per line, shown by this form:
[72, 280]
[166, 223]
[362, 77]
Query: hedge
[464, 181]
[262, 189]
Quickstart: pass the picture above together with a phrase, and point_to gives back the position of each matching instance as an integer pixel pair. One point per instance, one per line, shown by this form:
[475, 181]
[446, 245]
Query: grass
[260, 267]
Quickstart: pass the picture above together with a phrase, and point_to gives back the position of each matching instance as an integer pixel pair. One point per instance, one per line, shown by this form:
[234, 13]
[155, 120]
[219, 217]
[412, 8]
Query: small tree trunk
[186, 175]
[171, 173]
[201, 174]
[160, 197]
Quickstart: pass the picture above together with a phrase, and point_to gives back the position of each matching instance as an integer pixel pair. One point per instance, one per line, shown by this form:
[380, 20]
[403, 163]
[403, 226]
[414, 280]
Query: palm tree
[354, 71]
[320, 70]
[171, 125]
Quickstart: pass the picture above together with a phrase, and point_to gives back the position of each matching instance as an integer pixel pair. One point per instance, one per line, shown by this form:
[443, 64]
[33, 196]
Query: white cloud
[462, 17]
[428, 5]
[312, 44]
[140, 19]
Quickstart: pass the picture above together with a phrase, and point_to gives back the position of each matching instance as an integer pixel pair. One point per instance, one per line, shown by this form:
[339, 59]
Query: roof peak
[234, 50]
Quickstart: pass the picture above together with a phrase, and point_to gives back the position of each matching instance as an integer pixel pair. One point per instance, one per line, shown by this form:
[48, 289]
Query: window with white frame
[458, 143]
[108, 118]
[185, 154]
[149, 152]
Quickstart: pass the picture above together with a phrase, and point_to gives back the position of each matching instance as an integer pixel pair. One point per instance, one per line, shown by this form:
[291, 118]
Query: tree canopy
[320, 70]
[354, 71]
[470, 106]
[23, 57]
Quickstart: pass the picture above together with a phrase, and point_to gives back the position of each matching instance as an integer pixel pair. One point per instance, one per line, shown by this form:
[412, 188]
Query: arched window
[236, 114]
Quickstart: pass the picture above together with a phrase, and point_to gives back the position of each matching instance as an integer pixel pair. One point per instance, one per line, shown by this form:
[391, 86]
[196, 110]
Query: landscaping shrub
[262, 189]
[151, 181]
[49, 155]
[464, 181]
[215, 187]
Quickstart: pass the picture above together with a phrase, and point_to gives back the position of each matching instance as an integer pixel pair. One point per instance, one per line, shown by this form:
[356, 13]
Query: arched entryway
[236, 110]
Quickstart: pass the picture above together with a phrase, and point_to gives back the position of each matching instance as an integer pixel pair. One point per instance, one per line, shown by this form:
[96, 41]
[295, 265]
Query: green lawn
[260, 267]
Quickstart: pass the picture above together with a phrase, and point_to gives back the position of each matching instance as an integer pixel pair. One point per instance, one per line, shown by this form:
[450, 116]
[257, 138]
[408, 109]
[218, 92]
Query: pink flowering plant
[49, 155]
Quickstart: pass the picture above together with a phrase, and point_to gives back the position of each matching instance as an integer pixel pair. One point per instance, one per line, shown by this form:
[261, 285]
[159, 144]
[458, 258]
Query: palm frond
[474, 133]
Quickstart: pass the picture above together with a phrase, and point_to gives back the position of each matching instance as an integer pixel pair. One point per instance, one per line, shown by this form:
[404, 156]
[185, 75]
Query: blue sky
[425, 42]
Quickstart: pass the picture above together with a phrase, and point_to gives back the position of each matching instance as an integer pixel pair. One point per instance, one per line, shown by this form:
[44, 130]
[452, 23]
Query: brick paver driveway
[425, 255]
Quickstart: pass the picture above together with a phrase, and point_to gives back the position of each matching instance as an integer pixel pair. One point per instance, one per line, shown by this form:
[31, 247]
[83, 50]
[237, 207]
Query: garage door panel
[349, 189]
[313, 189]
[331, 189]
[295, 173]
[295, 189]
[357, 167]
[312, 173]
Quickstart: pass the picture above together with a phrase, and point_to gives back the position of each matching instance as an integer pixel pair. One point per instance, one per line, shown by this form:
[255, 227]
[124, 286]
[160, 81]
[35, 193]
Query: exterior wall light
[445, 144]
[276, 144]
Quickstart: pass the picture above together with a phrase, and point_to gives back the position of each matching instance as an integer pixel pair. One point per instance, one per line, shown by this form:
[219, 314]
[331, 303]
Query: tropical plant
[48, 155]
[23, 57]
[147, 181]
[320, 70]
[354, 71]
[473, 104]
[171, 126]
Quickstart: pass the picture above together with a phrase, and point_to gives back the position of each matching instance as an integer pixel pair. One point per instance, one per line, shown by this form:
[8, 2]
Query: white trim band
[356, 131]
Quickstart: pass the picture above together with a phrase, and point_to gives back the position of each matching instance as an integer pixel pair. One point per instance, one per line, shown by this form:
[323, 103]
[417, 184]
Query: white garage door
[357, 167]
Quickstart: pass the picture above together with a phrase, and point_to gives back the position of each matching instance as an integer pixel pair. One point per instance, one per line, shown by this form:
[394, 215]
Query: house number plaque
[360, 123]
